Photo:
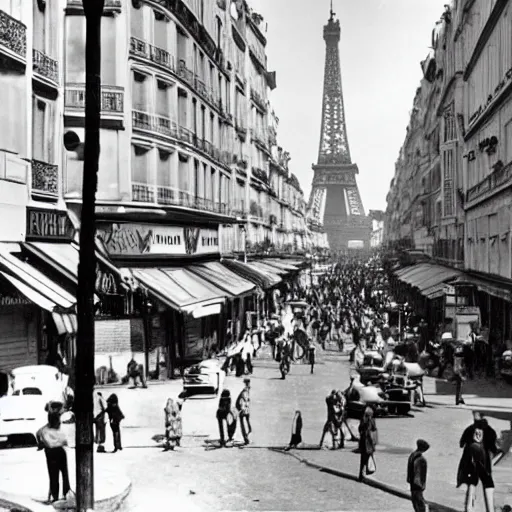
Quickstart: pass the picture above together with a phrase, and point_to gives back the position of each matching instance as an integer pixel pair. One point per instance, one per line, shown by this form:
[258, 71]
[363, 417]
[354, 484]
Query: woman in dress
[173, 425]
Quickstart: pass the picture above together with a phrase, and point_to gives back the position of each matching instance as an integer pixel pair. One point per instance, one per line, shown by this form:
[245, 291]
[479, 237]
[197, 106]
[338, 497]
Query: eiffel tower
[335, 201]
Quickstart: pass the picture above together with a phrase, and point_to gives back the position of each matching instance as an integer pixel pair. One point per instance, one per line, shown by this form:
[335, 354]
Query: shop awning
[425, 276]
[34, 285]
[220, 276]
[262, 278]
[65, 323]
[500, 290]
[182, 290]
[64, 257]
[284, 264]
[267, 267]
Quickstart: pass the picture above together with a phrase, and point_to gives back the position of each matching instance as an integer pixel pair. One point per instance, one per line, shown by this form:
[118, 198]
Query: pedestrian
[173, 424]
[52, 440]
[100, 420]
[479, 443]
[243, 407]
[223, 411]
[312, 355]
[329, 426]
[115, 416]
[417, 475]
[458, 372]
[296, 438]
[368, 437]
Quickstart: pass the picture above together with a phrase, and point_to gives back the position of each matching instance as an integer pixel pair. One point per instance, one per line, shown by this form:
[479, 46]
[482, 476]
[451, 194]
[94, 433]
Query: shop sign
[468, 310]
[138, 239]
[105, 282]
[13, 300]
[49, 225]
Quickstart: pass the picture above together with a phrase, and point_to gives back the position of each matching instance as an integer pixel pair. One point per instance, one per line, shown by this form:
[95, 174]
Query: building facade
[190, 175]
[450, 196]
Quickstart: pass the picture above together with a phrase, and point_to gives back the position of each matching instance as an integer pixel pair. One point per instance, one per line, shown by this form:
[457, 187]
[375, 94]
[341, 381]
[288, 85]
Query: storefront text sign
[48, 225]
[9, 300]
[137, 239]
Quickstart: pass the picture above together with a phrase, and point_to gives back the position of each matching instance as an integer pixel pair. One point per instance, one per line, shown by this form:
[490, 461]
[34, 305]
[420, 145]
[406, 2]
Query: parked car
[22, 412]
[207, 374]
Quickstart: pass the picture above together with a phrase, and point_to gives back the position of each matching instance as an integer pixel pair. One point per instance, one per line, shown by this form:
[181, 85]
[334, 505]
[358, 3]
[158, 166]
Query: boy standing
[417, 475]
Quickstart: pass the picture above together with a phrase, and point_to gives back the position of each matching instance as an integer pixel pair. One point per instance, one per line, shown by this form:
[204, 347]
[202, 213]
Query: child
[296, 438]
[115, 417]
[173, 424]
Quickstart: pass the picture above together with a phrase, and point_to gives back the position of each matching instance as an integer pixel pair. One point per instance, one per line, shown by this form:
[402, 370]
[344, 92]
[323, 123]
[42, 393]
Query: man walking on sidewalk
[243, 407]
[417, 476]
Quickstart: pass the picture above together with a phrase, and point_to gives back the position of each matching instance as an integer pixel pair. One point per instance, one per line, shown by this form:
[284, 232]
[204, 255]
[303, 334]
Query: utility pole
[84, 366]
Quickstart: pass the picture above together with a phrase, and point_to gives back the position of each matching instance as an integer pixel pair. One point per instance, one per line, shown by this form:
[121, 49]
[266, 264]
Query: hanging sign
[49, 225]
[138, 239]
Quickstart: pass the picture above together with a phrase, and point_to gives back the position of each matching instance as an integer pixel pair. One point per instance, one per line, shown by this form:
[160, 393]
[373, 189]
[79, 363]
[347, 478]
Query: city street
[199, 476]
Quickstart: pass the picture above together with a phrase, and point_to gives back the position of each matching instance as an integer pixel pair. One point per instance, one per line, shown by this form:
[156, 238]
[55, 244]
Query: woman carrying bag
[368, 439]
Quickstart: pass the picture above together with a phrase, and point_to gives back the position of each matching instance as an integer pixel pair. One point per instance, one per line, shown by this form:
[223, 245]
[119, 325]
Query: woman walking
[367, 443]
[115, 416]
[173, 425]
[53, 441]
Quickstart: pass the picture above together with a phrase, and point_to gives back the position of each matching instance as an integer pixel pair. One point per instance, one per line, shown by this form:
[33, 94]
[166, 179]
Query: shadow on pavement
[484, 388]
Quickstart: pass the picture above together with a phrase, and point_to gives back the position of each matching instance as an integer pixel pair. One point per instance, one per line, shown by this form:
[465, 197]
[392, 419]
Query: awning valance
[66, 323]
[500, 290]
[425, 276]
[221, 277]
[248, 271]
[283, 264]
[181, 289]
[34, 285]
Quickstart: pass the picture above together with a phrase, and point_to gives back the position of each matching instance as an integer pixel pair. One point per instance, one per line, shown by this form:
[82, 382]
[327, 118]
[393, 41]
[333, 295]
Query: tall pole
[87, 263]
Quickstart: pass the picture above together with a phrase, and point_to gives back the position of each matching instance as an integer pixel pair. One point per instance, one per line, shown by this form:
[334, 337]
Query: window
[42, 130]
[140, 171]
[213, 186]
[508, 141]
[160, 30]
[140, 92]
[212, 129]
[182, 108]
[162, 99]
[182, 47]
[449, 125]
[108, 50]
[39, 31]
[164, 171]
[183, 174]
[204, 189]
[448, 187]
[136, 21]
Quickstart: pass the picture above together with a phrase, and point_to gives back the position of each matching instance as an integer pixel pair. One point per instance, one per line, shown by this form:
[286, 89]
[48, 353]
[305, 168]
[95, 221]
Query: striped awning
[34, 285]
[66, 323]
[263, 278]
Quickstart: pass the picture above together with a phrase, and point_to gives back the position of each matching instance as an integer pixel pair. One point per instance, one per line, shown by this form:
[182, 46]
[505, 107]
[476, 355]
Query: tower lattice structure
[335, 200]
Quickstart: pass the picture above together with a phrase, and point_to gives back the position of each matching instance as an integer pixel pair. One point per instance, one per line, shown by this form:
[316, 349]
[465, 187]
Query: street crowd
[350, 302]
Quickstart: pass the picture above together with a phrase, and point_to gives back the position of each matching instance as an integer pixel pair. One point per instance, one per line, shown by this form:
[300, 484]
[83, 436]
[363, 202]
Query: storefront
[184, 315]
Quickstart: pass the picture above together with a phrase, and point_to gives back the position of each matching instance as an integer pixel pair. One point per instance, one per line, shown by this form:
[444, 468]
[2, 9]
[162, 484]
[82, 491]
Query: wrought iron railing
[112, 98]
[45, 178]
[13, 34]
[490, 183]
[170, 196]
[45, 66]
[159, 56]
[143, 192]
[186, 74]
[154, 123]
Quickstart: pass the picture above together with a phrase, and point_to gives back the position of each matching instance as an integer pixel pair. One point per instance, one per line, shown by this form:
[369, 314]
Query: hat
[422, 445]
[447, 336]
[247, 380]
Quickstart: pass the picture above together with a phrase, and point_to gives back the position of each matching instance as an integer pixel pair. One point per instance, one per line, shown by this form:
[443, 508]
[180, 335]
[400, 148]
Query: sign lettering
[137, 239]
[48, 225]
[6, 300]
[353, 202]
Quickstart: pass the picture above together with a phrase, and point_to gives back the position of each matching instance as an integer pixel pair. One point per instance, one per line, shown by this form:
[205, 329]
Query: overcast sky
[382, 44]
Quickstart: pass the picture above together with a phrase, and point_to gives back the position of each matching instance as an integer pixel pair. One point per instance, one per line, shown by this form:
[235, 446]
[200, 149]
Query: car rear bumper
[20, 427]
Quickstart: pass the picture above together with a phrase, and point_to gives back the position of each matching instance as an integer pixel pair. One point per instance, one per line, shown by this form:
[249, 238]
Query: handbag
[371, 466]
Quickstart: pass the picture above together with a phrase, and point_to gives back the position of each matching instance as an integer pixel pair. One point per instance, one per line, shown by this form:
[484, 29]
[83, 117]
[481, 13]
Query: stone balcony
[169, 196]
[489, 186]
[45, 66]
[13, 38]
[45, 180]
[112, 101]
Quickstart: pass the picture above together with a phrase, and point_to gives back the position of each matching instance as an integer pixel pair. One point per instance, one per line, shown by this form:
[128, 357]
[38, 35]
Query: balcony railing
[143, 192]
[490, 184]
[112, 99]
[45, 66]
[45, 179]
[185, 134]
[154, 123]
[185, 73]
[154, 54]
[13, 35]
[109, 4]
[169, 196]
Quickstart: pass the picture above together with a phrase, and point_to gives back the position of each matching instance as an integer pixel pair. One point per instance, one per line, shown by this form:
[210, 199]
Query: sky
[382, 44]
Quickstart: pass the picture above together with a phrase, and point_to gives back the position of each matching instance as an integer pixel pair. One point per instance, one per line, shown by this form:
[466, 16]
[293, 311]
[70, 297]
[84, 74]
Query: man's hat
[247, 380]
[422, 445]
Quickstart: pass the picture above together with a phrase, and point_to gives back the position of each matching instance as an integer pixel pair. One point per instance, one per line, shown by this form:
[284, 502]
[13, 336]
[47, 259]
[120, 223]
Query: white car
[206, 374]
[22, 412]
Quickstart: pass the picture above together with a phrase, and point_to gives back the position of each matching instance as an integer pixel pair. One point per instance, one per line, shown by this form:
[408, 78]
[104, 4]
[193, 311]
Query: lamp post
[84, 365]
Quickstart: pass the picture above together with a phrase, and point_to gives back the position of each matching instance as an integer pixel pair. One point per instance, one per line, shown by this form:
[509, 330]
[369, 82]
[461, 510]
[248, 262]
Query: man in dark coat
[417, 475]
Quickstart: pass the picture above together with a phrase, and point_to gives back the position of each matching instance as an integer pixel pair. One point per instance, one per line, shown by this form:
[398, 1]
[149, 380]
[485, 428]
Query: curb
[17, 503]
[113, 503]
[371, 482]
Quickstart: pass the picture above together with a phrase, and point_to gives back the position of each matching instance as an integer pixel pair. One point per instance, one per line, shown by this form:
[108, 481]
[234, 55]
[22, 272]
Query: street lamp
[84, 365]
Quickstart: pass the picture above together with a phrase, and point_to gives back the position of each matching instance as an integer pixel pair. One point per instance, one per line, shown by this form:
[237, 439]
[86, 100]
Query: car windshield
[27, 391]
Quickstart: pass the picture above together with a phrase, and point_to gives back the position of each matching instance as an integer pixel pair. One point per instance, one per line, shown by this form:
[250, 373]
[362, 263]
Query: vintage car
[207, 374]
[359, 396]
[22, 412]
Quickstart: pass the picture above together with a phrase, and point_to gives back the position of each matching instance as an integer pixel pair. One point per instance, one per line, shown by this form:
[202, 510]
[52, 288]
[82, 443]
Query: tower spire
[332, 12]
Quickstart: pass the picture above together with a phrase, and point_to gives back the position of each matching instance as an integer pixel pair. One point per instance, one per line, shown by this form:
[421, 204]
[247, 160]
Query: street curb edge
[371, 482]
[22, 503]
